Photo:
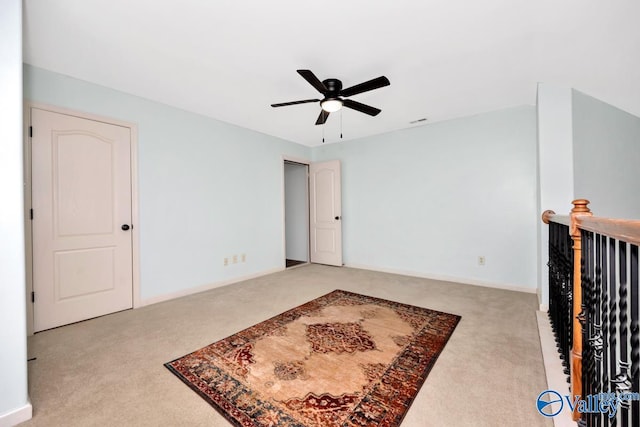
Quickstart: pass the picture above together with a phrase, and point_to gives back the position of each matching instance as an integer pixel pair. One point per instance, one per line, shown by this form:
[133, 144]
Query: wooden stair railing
[605, 299]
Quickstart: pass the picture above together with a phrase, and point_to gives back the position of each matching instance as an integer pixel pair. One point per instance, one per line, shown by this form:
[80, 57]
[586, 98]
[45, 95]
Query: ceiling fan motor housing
[334, 86]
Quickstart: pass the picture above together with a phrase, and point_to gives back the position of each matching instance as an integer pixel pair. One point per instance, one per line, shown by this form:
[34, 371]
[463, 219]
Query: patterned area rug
[343, 359]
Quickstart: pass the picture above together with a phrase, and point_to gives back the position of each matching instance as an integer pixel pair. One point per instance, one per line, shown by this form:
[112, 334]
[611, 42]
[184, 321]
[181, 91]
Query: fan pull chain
[323, 133]
[340, 123]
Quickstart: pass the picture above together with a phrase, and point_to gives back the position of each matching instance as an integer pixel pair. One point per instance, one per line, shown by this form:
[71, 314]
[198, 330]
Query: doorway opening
[296, 216]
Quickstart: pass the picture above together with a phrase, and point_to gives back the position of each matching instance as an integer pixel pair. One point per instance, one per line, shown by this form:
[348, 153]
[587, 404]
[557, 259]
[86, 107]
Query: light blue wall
[555, 168]
[430, 200]
[606, 155]
[410, 198]
[207, 189]
[14, 405]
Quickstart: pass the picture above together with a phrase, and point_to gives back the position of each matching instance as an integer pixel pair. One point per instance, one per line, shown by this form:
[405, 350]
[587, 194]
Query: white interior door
[81, 200]
[325, 201]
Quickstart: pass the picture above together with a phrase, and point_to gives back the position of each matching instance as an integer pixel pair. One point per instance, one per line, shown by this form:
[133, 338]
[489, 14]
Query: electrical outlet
[481, 260]
[243, 257]
[235, 259]
[226, 262]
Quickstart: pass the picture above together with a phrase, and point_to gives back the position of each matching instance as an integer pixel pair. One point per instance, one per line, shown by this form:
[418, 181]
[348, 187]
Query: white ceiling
[231, 59]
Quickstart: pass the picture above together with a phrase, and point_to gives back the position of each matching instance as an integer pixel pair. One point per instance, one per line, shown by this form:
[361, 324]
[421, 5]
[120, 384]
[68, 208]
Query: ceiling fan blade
[324, 115]
[358, 106]
[313, 80]
[283, 104]
[376, 83]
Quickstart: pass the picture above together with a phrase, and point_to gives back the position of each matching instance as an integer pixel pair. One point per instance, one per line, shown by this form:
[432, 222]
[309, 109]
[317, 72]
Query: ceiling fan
[332, 91]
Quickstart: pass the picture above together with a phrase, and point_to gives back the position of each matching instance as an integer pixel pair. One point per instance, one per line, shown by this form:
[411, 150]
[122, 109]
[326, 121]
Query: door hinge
[33, 297]
[31, 131]
[31, 214]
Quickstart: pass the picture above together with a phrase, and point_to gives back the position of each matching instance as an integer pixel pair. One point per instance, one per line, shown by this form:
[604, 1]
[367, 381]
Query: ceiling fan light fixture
[334, 96]
[331, 105]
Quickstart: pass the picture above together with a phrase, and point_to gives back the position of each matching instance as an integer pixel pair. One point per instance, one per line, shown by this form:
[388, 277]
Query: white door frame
[135, 230]
[284, 195]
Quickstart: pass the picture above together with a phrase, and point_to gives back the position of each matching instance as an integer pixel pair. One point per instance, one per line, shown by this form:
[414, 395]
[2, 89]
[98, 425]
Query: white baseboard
[16, 416]
[445, 278]
[207, 287]
[556, 379]
[466, 281]
[542, 307]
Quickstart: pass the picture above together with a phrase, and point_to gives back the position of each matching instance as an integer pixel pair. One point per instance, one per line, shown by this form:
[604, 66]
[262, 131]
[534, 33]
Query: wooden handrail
[626, 230]
[550, 216]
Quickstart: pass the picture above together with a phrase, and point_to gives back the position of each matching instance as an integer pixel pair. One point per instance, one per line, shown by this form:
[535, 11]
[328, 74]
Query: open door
[325, 213]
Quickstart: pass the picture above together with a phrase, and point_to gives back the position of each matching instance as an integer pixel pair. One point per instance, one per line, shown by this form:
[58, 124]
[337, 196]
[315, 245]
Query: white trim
[444, 278]
[556, 379]
[544, 308]
[80, 114]
[294, 159]
[135, 235]
[28, 230]
[283, 256]
[16, 416]
[287, 158]
[135, 217]
[203, 288]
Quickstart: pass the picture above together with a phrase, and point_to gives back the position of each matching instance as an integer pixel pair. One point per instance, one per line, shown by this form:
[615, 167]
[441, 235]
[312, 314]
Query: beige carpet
[109, 371]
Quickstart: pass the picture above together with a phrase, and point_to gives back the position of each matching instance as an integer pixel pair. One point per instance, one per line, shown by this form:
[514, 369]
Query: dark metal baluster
[604, 309]
[568, 307]
[592, 328]
[561, 295]
[613, 332]
[622, 381]
[585, 320]
[560, 286]
[595, 338]
[635, 335]
[555, 283]
[566, 257]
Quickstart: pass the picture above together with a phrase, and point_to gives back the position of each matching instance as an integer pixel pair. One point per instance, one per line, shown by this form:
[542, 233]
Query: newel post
[580, 208]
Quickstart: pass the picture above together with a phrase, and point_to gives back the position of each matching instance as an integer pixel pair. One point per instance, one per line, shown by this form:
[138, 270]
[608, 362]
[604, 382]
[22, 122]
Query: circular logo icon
[545, 401]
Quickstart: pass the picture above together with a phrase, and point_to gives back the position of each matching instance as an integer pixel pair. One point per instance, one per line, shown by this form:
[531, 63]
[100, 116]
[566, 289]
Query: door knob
[125, 227]
[337, 218]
